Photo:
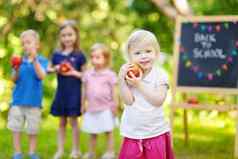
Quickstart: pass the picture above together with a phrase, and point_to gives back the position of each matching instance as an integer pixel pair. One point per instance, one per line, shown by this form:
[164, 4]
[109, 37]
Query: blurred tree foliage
[107, 21]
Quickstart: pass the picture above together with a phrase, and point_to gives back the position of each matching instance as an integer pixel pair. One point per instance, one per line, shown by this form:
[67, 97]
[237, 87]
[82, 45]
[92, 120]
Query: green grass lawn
[210, 138]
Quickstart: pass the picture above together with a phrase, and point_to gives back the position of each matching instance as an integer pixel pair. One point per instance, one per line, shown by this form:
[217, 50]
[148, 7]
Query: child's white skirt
[98, 122]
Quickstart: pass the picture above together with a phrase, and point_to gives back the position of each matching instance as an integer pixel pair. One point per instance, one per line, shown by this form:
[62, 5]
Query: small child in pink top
[99, 100]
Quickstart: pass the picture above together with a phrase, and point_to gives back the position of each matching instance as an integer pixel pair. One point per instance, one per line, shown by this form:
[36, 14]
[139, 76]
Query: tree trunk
[181, 7]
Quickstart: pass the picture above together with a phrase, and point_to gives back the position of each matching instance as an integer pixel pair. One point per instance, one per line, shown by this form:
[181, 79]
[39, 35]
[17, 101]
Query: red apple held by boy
[16, 61]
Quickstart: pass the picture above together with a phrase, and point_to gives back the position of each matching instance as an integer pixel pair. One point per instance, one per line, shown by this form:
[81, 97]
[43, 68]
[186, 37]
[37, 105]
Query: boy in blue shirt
[27, 94]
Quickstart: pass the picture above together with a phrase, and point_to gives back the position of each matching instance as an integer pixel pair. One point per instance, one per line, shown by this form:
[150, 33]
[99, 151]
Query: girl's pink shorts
[158, 147]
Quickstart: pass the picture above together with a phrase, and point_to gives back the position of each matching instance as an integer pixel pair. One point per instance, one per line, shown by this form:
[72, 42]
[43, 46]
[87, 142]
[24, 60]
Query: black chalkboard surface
[207, 53]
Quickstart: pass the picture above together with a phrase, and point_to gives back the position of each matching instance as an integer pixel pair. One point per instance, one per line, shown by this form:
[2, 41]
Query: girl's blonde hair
[32, 33]
[73, 25]
[141, 37]
[105, 51]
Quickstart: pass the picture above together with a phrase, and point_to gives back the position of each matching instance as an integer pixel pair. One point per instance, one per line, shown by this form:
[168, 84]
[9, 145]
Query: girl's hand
[123, 71]
[133, 80]
[56, 68]
[72, 72]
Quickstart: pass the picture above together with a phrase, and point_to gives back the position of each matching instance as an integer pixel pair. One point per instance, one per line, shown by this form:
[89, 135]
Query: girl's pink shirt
[99, 89]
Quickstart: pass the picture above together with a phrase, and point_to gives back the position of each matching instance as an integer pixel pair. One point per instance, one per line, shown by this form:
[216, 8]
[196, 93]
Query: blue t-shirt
[28, 89]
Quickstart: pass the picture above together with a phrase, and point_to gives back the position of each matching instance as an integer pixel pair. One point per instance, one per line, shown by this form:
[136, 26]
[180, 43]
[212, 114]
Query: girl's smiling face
[68, 37]
[143, 55]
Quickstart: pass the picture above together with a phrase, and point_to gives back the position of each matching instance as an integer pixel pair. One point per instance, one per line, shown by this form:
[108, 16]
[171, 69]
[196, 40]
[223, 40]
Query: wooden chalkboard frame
[190, 89]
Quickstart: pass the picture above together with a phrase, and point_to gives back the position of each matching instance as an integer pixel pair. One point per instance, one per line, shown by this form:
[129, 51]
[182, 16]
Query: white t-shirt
[142, 120]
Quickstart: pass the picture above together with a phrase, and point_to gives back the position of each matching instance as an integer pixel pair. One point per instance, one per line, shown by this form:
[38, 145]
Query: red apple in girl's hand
[65, 67]
[16, 61]
[135, 69]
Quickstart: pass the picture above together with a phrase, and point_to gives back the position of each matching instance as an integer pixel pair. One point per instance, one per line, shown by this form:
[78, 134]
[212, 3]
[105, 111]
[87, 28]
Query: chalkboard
[207, 52]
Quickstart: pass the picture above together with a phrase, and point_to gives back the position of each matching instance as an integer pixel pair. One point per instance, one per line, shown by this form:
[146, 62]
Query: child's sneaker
[17, 156]
[34, 156]
[108, 155]
[89, 155]
[58, 155]
[75, 154]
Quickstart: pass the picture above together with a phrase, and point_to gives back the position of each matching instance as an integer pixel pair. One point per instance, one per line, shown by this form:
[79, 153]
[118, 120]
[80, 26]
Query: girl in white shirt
[146, 133]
